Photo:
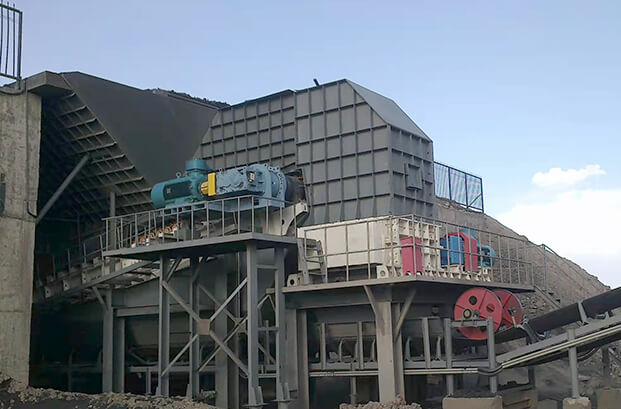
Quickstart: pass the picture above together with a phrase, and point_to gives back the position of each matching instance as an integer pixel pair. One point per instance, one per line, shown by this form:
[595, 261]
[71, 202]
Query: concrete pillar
[547, 404]
[577, 403]
[609, 398]
[20, 138]
[523, 399]
[472, 403]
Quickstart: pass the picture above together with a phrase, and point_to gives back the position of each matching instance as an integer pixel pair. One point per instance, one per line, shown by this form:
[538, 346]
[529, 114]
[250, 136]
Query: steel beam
[48, 205]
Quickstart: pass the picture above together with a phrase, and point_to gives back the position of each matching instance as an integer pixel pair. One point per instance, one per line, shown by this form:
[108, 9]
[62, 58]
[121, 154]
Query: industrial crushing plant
[287, 251]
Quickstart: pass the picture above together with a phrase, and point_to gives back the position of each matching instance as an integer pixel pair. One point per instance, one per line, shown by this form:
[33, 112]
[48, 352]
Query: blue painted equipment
[487, 255]
[227, 188]
[184, 189]
[455, 243]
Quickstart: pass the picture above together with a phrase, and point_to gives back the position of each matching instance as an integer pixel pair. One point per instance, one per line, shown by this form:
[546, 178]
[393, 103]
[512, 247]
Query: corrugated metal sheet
[135, 138]
[360, 154]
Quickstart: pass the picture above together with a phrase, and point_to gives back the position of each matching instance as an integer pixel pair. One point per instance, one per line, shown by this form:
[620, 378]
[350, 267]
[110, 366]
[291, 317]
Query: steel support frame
[216, 327]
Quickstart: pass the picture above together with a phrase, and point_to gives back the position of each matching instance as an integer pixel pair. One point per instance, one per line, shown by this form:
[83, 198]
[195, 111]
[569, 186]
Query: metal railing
[458, 186]
[10, 41]
[208, 219]
[364, 249]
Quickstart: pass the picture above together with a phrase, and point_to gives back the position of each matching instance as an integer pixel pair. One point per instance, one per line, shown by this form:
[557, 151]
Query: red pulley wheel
[478, 304]
[512, 313]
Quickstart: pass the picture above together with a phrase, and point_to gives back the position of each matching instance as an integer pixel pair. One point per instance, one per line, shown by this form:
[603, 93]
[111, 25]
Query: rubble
[398, 403]
[17, 395]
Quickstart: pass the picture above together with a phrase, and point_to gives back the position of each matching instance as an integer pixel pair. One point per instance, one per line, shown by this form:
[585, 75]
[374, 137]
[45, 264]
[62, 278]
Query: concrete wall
[20, 134]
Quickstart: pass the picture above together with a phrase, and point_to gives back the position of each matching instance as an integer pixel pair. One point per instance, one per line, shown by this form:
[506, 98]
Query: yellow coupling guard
[209, 188]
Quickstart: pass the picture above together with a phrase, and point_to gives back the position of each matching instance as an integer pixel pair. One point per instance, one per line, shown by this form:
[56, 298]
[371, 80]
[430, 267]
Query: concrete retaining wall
[20, 126]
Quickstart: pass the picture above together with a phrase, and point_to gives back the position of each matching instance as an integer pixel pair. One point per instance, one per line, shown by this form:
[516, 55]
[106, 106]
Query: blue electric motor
[228, 189]
[184, 189]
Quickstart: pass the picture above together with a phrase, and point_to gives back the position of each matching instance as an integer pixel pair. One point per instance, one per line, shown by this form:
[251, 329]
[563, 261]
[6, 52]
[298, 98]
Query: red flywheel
[478, 304]
[512, 313]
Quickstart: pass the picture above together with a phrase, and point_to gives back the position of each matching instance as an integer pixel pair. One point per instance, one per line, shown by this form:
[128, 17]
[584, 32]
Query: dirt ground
[15, 395]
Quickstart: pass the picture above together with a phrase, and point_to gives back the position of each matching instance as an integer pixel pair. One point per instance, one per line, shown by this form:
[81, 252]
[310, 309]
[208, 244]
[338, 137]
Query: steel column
[107, 356]
[353, 391]
[573, 364]
[291, 363]
[606, 366]
[119, 356]
[303, 401]
[163, 331]
[282, 386]
[220, 326]
[448, 350]
[389, 384]
[491, 355]
[255, 395]
[193, 375]
[398, 352]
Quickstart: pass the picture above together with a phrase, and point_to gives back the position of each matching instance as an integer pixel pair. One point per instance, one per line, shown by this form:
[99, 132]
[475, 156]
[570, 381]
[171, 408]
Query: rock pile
[398, 403]
[16, 395]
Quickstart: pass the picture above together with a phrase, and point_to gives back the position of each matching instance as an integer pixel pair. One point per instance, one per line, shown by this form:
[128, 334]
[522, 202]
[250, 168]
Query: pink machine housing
[407, 256]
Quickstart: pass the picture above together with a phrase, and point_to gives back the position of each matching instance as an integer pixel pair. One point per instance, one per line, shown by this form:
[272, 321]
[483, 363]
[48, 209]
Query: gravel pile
[16, 395]
[398, 403]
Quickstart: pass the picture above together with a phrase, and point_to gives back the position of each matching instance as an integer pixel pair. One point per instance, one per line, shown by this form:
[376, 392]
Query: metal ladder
[317, 267]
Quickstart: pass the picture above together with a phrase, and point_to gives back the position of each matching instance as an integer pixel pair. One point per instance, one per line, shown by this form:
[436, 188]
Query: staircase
[85, 268]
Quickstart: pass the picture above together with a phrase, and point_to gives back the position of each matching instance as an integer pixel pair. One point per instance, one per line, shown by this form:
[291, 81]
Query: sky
[526, 94]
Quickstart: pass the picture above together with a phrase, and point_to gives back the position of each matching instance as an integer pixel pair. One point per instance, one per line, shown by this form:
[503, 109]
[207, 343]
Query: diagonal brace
[237, 327]
[406, 307]
[378, 316]
[217, 303]
[176, 358]
[181, 302]
[228, 300]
